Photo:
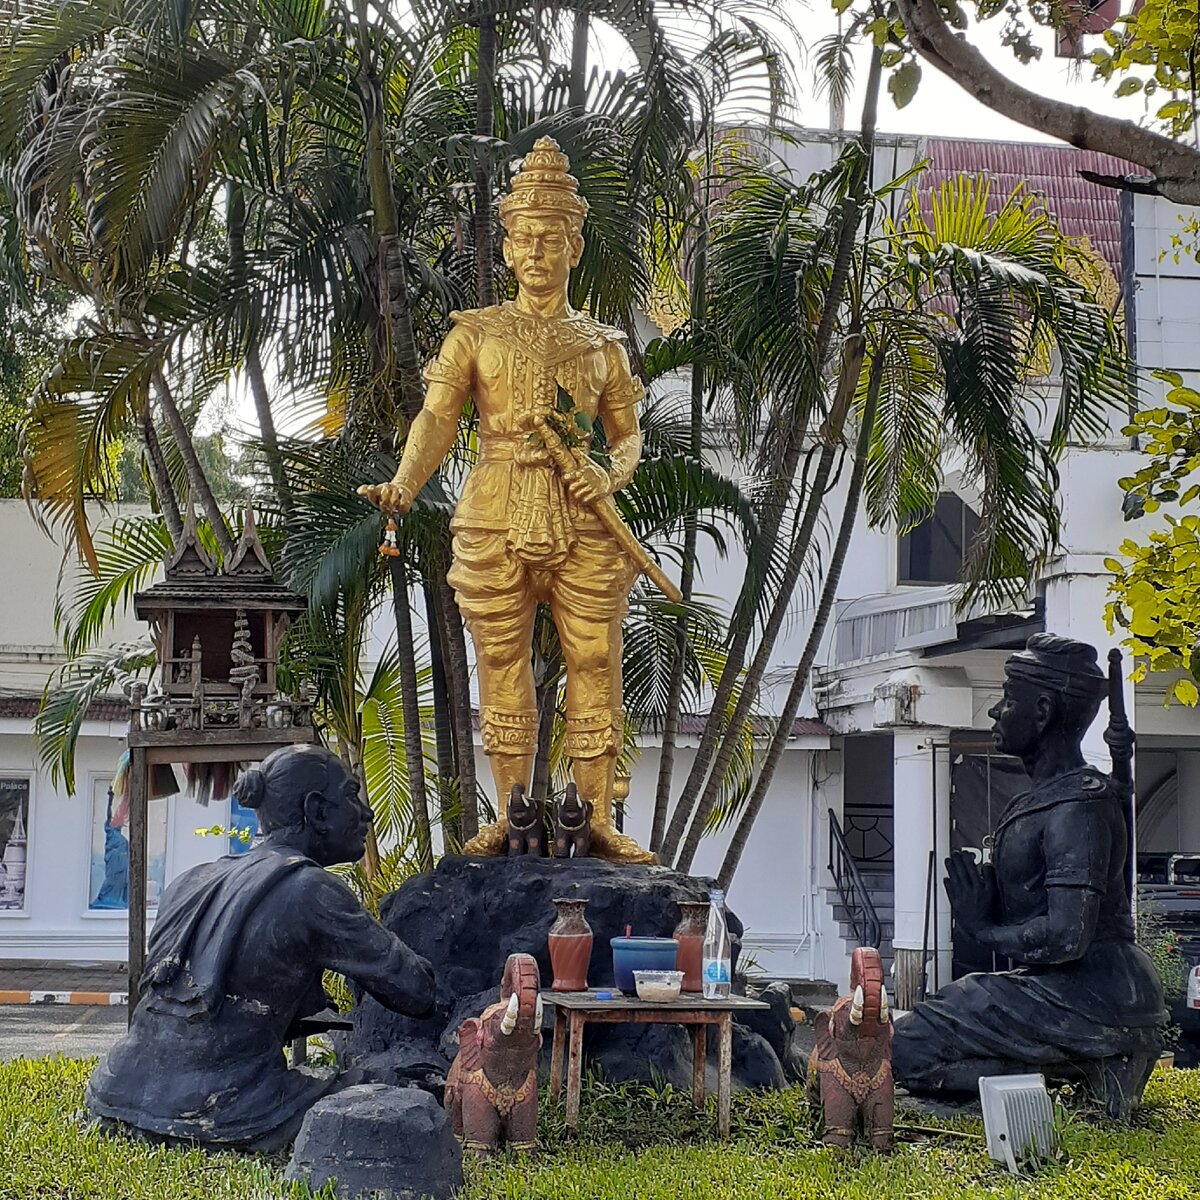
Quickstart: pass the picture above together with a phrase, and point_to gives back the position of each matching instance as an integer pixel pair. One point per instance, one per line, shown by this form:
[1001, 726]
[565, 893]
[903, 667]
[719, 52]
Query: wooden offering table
[573, 1010]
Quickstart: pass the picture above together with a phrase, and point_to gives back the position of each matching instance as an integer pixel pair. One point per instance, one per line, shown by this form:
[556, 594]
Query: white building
[894, 754]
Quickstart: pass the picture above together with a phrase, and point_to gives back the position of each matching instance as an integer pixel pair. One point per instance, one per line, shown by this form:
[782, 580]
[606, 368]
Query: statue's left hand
[589, 483]
[971, 890]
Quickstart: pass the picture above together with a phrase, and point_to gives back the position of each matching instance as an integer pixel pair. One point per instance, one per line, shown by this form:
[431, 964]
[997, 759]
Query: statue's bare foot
[618, 847]
[489, 842]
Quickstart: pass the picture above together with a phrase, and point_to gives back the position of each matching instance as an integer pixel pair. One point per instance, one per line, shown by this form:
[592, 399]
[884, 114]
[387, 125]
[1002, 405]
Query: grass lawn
[635, 1144]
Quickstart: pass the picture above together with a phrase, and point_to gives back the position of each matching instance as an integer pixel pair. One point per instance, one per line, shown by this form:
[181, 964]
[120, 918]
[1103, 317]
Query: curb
[104, 999]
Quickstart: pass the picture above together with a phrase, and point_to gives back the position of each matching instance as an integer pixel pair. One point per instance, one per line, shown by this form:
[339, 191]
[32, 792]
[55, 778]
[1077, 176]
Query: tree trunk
[791, 706]
[443, 732]
[454, 644]
[485, 122]
[159, 476]
[577, 90]
[235, 230]
[546, 697]
[414, 751]
[666, 762]
[791, 450]
[266, 428]
[398, 360]
[847, 386]
[197, 480]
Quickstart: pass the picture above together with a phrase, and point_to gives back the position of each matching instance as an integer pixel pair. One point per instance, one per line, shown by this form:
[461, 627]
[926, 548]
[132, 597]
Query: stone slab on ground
[382, 1142]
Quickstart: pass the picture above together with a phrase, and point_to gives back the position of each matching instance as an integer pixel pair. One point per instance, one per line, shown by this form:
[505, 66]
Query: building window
[14, 841]
[936, 550]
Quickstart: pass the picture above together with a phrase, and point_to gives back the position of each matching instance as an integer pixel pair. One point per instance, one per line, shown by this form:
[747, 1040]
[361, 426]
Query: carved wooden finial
[249, 558]
[190, 559]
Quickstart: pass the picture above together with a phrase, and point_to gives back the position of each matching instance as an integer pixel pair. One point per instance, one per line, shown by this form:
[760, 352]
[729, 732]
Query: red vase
[689, 933]
[570, 942]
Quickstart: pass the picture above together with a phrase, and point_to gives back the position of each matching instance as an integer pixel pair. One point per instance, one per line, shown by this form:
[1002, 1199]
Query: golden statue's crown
[544, 186]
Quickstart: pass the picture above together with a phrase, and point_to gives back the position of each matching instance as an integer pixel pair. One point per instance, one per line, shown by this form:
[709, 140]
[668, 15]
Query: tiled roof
[105, 708]
[1081, 207]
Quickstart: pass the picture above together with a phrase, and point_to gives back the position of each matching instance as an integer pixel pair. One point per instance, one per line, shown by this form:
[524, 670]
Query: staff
[1120, 740]
[609, 517]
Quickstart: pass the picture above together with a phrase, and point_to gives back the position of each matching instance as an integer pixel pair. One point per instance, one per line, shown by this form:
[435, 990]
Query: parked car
[1171, 882]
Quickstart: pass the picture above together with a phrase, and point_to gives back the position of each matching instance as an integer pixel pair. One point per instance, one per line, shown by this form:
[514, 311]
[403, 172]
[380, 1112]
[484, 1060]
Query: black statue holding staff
[1086, 1003]
[234, 968]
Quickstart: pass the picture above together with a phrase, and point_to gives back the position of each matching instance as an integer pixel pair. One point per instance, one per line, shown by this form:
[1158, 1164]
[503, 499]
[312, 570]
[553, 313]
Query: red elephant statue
[850, 1071]
[491, 1091]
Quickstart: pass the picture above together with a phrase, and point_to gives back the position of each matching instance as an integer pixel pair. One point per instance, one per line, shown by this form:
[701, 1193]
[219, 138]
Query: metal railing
[851, 890]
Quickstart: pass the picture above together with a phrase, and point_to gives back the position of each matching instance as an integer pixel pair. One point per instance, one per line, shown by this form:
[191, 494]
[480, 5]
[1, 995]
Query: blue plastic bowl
[641, 954]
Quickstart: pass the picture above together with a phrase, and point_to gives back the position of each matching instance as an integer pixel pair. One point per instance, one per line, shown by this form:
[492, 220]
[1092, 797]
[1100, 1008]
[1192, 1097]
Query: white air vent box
[1018, 1118]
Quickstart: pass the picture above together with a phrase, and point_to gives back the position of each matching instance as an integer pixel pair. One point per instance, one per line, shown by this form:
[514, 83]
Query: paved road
[33, 1030]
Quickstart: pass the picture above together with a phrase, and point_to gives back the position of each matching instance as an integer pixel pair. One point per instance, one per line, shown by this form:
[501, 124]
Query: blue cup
[641, 954]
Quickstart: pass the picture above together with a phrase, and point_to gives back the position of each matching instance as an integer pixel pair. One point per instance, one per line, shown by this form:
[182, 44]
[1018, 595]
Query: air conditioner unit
[1018, 1118]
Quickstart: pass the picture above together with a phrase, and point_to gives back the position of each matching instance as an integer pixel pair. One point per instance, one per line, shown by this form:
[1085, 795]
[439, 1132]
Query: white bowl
[658, 986]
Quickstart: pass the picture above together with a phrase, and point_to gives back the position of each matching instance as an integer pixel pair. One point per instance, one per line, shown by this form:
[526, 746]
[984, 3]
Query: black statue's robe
[1055, 1018]
[234, 961]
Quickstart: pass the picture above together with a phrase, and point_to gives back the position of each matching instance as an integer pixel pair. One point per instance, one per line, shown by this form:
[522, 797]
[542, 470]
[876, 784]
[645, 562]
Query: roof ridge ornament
[249, 558]
[189, 559]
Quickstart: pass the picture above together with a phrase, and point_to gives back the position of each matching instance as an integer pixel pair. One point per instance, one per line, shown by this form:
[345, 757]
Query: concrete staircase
[879, 885]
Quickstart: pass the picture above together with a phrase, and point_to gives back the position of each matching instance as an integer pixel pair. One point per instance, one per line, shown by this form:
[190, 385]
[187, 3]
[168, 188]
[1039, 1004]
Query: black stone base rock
[383, 1142]
[470, 914]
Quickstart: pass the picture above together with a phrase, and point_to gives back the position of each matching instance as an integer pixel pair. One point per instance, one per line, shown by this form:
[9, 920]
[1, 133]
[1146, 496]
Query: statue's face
[344, 818]
[1020, 718]
[541, 251]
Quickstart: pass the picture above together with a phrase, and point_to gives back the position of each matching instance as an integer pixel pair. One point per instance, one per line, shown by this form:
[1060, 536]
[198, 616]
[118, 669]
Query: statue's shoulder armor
[595, 330]
[505, 320]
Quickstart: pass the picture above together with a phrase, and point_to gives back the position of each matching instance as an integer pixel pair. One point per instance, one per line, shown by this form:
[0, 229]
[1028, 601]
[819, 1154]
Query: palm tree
[946, 323]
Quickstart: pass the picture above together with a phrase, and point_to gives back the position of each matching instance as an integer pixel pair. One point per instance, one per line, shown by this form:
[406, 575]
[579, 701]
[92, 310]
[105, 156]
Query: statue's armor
[513, 365]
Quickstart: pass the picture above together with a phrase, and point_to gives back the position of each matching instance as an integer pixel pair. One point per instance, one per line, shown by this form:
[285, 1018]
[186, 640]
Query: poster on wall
[108, 882]
[14, 841]
[243, 827]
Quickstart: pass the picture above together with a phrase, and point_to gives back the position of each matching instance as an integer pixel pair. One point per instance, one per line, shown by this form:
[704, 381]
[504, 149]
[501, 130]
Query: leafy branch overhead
[1156, 582]
[1152, 53]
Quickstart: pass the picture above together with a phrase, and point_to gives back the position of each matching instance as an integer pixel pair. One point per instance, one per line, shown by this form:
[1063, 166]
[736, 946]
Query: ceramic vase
[570, 942]
[689, 933]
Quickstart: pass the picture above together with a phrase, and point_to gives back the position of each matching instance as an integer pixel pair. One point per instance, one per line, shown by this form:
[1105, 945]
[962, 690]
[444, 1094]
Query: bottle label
[716, 970]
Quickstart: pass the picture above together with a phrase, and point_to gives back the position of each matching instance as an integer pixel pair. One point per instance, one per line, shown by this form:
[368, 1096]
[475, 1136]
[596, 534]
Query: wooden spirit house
[215, 698]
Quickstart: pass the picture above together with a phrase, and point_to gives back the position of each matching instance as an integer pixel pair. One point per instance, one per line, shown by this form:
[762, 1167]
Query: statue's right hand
[391, 497]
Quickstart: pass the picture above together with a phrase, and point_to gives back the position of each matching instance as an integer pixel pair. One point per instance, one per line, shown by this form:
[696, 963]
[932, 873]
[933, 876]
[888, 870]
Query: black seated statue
[234, 968]
[1086, 1003]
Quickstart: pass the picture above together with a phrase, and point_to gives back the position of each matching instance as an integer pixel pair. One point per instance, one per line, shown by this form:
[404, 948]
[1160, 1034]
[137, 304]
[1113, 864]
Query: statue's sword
[609, 517]
[1120, 740]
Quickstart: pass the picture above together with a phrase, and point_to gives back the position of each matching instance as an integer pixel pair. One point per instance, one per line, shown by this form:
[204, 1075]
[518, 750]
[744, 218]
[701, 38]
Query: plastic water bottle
[717, 962]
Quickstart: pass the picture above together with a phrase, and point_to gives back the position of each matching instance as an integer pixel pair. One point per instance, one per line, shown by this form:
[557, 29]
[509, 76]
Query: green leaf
[1186, 692]
[583, 421]
[1185, 396]
[840, 6]
[1174, 109]
[1128, 87]
[563, 401]
[903, 83]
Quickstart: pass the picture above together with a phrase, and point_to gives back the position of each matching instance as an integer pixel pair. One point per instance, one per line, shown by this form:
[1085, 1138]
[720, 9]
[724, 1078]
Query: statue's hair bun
[249, 788]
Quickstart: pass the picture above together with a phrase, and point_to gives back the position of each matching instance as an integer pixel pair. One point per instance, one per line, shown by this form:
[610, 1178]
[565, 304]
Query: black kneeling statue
[234, 967]
[1086, 1003]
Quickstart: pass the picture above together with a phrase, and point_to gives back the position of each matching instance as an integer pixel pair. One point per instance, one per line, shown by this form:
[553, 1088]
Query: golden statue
[536, 522]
